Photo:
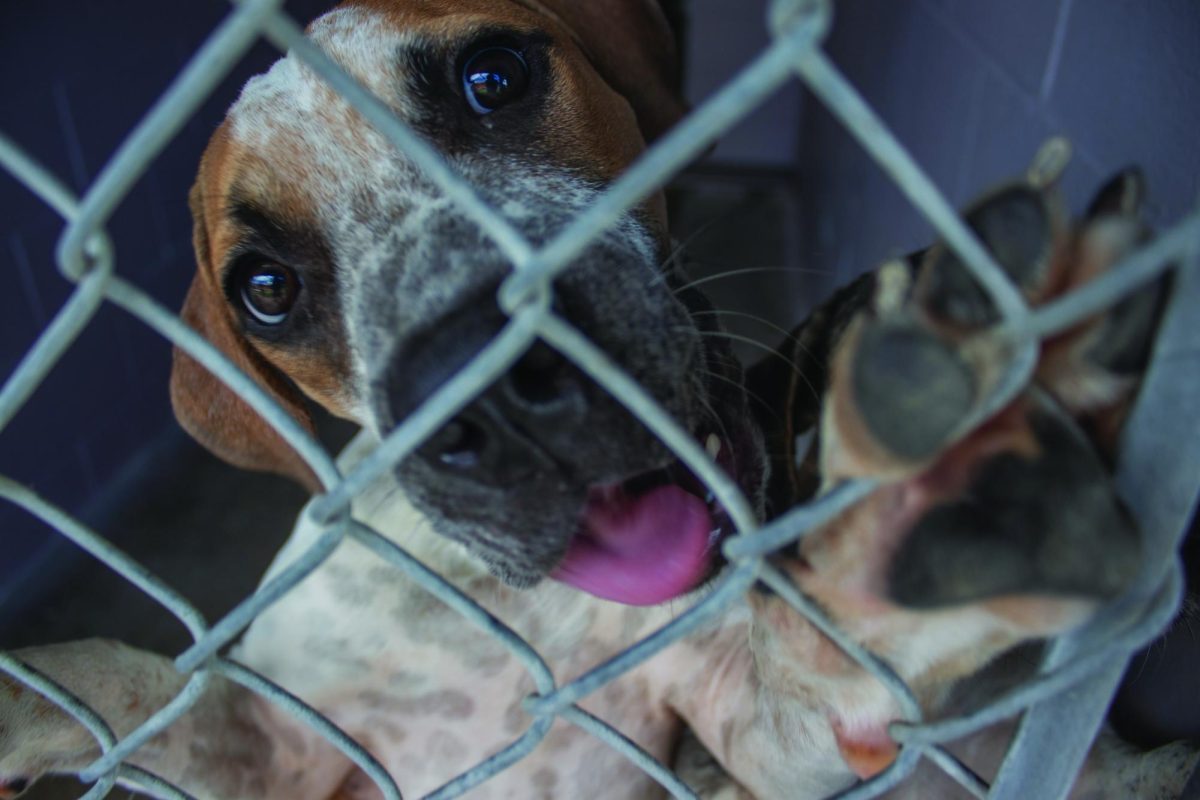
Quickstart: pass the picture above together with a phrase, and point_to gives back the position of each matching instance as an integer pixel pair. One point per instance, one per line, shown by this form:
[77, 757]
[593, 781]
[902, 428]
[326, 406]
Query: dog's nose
[514, 428]
[502, 438]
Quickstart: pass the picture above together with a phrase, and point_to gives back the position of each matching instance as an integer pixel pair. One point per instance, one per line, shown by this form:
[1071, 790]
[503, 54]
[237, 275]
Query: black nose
[507, 435]
[515, 428]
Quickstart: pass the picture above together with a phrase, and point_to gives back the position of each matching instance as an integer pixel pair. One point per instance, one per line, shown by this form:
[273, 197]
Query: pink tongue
[642, 550]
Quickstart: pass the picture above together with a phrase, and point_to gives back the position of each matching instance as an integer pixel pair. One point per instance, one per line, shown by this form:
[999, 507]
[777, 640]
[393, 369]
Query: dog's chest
[431, 695]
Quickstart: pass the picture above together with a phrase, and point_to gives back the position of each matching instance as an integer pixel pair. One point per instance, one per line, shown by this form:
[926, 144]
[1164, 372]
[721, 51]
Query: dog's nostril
[459, 444]
[537, 377]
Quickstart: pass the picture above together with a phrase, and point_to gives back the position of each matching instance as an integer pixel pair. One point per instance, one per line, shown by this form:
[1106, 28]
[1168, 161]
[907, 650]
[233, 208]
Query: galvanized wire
[86, 256]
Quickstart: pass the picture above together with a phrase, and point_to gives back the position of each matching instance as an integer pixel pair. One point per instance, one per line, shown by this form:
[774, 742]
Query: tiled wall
[972, 87]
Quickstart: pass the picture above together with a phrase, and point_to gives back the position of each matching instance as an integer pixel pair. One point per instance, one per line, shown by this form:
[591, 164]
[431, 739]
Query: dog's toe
[1017, 225]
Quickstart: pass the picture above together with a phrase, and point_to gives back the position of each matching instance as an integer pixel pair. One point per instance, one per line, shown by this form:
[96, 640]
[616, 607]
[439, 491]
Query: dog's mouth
[657, 535]
[652, 537]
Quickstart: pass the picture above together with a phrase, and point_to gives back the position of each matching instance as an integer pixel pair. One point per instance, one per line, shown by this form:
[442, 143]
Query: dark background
[74, 80]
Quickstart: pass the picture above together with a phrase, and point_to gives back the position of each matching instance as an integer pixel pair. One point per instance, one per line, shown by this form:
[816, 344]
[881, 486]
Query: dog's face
[331, 268]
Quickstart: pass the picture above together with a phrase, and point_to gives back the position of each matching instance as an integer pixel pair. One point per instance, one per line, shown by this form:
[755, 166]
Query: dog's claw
[1123, 342]
[1122, 195]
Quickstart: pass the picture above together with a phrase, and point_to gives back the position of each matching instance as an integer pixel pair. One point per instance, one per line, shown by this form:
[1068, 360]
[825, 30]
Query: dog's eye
[269, 291]
[493, 77]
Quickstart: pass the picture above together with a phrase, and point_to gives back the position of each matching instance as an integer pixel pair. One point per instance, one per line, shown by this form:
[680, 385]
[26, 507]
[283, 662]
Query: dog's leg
[748, 734]
[231, 745]
[980, 539]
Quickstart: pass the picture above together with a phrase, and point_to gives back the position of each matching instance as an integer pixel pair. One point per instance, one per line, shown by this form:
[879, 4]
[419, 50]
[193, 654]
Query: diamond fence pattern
[1158, 476]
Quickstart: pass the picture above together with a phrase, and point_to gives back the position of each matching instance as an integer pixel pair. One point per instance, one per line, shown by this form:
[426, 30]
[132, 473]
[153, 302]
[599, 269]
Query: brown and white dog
[333, 272]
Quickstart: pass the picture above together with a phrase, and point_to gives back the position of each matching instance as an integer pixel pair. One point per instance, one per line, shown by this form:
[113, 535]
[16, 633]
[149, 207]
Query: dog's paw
[37, 738]
[1009, 520]
[915, 364]
[1019, 503]
[124, 686]
[987, 530]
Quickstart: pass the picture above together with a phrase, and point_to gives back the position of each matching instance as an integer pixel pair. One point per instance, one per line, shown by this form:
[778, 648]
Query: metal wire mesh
[1087, 659]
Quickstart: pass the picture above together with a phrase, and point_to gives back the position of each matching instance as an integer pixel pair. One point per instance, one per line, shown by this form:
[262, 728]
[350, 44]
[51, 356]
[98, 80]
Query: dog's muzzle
[544, 473]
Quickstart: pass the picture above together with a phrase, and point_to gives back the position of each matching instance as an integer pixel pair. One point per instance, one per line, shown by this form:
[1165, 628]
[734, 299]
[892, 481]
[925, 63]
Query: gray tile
[1016, 35]
[922, 80]
[1127, 91]
[1008, 131]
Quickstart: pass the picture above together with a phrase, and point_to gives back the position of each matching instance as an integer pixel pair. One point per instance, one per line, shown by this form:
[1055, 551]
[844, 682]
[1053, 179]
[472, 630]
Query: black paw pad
[1047, 526]
[911, 388]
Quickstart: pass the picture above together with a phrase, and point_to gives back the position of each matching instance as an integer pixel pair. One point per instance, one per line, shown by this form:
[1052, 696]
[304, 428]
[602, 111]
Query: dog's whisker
[722, 312]
[755, 343]
[788, 335]
[773, 352]
[384, 500]
[746, 271]
[749, 394]
[678, 249]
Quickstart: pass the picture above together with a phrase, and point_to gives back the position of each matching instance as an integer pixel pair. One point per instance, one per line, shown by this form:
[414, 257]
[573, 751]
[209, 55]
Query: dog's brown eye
[493, 77]
[269, 291]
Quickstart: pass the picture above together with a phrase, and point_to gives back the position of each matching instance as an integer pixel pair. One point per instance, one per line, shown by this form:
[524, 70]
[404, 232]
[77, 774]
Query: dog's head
[332, 270]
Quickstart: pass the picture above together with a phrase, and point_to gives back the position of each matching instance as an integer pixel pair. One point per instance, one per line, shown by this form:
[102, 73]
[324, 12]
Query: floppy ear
[208, 409]
[631, 45]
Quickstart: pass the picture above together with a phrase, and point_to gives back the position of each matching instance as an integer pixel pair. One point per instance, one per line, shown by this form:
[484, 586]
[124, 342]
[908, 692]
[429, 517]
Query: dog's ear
[631, 45]
[208, 409]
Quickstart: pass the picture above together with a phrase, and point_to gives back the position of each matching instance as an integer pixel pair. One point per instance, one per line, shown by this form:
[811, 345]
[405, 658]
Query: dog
[331, 271]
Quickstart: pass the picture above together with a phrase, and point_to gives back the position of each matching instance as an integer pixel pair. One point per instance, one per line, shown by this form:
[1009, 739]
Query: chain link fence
[1157, 476]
